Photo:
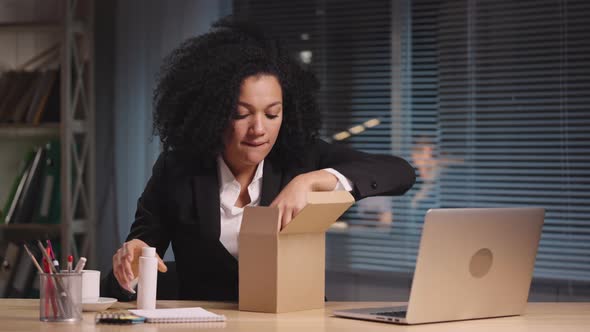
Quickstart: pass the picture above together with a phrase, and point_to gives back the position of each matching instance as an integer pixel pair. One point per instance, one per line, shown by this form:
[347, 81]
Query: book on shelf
[30, 97]
[37, 91]
[11, 88]
[4, 80]
[48, 110]
[20, 109]
[18, 88]
[47, 107]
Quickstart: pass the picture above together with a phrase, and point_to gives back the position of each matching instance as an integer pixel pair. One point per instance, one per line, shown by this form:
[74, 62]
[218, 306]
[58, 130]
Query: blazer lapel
[271, 183]
[206, 196]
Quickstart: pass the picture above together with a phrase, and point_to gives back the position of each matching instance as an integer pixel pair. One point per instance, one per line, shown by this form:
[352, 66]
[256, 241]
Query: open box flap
[322, 210]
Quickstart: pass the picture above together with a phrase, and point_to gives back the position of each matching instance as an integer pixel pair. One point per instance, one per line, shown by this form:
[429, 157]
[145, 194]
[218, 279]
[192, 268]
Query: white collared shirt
[229, 191]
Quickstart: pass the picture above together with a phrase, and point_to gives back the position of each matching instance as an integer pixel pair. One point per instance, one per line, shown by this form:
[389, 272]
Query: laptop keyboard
[401, 314]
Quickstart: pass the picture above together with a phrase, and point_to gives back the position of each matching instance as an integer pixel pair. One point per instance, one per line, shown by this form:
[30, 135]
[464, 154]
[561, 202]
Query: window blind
[489, 100]
[351, 52]
[514, 96]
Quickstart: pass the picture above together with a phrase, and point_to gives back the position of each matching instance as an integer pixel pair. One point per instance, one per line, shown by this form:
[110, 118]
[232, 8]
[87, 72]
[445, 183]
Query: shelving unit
[76, 133]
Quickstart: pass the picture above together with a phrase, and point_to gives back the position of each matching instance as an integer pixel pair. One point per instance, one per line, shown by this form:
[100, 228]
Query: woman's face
[255, 126]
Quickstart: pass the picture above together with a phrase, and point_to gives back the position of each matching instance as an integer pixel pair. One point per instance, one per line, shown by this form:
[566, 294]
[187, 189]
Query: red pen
[70, 262]
[49, 290]
[52, 255]
[46, 270]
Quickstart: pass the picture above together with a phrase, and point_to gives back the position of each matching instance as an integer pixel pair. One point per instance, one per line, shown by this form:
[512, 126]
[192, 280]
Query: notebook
[178, 315]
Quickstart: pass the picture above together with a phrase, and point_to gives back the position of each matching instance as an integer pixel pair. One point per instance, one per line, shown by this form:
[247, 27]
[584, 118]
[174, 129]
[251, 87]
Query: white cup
[90, 286]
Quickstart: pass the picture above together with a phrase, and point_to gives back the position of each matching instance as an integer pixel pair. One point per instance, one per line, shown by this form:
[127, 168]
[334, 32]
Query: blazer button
[374, 185]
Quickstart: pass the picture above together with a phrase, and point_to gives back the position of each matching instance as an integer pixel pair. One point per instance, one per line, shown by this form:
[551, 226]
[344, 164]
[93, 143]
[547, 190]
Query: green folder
[48, 210]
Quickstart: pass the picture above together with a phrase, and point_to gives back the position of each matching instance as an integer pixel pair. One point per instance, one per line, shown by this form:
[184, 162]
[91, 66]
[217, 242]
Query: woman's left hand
[293, 197]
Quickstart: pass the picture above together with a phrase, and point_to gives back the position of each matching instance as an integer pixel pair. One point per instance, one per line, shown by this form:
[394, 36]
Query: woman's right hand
[126, 263]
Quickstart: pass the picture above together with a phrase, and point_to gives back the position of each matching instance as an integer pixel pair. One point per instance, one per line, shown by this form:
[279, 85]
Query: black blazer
[180, 205]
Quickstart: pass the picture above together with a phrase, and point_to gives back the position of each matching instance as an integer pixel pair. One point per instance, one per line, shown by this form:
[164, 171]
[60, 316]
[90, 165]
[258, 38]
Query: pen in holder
[60, 297]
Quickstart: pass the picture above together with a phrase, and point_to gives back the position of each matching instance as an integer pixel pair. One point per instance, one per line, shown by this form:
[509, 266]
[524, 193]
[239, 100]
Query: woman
[238, 121]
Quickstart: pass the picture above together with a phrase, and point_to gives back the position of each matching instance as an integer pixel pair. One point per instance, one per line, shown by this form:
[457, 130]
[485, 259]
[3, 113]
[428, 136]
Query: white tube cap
[148, 252]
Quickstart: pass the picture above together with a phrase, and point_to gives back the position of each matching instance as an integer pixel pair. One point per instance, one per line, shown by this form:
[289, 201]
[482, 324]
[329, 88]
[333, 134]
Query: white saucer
[103, 303]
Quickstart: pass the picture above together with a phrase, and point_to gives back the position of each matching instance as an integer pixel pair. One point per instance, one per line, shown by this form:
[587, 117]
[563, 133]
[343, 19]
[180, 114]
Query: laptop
[472, 263]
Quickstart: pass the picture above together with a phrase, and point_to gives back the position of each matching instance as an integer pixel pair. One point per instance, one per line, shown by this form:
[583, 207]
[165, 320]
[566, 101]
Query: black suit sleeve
[148, 226]
[371, 174]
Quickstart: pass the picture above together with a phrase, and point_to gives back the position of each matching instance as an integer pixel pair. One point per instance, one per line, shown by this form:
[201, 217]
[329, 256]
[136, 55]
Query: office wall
[132, 37]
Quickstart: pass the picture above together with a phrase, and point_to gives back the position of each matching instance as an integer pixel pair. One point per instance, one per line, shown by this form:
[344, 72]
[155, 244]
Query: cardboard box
[284, 270]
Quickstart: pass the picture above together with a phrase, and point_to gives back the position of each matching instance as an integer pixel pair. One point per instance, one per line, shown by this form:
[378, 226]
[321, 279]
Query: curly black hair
[199, 85]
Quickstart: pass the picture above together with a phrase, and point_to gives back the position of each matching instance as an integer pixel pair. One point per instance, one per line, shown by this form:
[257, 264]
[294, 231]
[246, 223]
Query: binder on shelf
[12, 194]
[30, 192]
[8, 268]
[22, 275]
[12, 208]
[48, 210]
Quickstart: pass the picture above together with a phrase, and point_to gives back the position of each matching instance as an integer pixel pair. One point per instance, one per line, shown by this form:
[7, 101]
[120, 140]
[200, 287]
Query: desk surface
[23, 315]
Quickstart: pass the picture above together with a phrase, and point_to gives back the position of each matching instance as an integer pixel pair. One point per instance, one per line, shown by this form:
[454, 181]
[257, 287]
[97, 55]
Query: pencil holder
[60, 297]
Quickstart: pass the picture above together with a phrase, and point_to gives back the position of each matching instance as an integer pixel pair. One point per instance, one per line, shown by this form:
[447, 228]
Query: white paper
[170, 315]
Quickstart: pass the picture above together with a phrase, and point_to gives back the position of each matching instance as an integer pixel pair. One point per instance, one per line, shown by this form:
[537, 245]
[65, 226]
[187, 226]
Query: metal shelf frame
[78, 131]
